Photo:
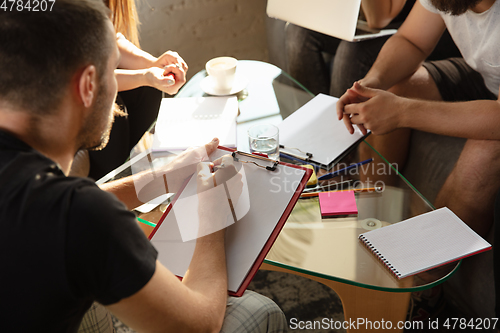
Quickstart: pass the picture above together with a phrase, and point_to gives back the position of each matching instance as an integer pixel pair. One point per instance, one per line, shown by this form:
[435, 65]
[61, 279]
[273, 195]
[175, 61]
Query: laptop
[337, 18]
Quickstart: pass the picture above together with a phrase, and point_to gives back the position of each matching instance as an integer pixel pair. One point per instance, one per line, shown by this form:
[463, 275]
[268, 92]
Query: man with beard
[402, 92]
[65, 243]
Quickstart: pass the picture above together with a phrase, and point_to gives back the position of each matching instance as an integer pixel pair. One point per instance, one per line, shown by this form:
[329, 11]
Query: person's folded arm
[133, 57]
[400, 56]
[169, 80]
[383, 112]
[379, 13]
[406, 50]
[476, 120]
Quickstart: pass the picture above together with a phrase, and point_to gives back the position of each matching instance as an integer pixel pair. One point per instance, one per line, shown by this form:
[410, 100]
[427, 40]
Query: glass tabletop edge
[362, 285]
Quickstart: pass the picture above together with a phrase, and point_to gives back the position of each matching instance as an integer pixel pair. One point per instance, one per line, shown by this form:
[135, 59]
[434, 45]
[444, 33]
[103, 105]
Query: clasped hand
[370, 109]
[172, 64]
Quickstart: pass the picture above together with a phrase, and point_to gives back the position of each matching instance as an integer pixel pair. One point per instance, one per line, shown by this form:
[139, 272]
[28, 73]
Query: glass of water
[264, 138]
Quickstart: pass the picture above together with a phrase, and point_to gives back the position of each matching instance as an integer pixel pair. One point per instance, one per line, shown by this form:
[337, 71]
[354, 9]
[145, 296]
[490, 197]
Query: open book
[423, 242]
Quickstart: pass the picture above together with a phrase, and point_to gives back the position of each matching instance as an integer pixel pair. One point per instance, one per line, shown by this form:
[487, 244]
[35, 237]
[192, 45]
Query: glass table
[325, 250]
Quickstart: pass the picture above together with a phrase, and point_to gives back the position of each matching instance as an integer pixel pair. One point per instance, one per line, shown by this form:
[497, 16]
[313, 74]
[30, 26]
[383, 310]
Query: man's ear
[87, 85]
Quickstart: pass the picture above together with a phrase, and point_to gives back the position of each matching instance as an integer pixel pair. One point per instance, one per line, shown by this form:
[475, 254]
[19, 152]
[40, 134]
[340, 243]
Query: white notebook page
[194, 121]
[268, 193]
[315, 128]
[425, 241]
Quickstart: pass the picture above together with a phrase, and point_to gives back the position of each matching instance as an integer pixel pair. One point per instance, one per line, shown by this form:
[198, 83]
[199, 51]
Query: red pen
[170, 78]
[261, 154]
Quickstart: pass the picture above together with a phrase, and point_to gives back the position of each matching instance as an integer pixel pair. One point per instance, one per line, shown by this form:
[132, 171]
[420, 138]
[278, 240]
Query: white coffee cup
[222, 71]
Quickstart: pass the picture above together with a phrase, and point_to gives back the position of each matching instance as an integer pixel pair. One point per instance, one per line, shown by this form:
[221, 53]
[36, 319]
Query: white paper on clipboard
[259, 211]
[315, 128]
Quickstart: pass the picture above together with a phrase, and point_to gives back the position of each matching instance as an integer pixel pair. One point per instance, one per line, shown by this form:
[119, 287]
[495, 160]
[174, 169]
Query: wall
[203, 29]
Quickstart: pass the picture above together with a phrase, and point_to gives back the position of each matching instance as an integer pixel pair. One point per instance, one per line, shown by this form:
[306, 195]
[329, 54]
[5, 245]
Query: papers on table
[195, 121]
[314, 128]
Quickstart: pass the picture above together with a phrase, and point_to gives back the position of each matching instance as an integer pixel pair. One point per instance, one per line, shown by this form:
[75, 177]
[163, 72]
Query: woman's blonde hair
[125, 18]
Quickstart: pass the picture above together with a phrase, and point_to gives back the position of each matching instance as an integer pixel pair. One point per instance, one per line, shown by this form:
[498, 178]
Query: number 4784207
[27, 5]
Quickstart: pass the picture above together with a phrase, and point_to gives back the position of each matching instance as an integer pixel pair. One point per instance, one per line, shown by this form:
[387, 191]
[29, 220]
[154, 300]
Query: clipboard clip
[269, 168]
[305, 158]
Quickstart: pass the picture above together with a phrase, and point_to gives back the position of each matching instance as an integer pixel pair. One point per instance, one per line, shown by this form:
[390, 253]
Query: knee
[402, 88]
[418, 85]
[479, 164]
[481, 156]
[295, 36]
[253, 313]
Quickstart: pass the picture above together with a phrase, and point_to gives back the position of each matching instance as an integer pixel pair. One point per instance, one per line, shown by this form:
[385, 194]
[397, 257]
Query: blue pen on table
[336, 173]
[292, 158]
[298, 160]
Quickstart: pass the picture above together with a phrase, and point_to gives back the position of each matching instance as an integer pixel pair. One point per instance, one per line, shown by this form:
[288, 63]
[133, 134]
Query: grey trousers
[250, 313]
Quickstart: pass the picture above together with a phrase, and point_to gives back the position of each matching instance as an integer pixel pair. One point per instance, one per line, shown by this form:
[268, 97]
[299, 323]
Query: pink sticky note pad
[337, 203]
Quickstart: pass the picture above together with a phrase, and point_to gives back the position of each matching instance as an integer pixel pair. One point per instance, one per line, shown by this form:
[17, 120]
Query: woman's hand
[171, 58]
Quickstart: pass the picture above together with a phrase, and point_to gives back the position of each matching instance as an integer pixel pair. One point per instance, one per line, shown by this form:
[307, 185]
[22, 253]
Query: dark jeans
[305, 57]
[142, 105]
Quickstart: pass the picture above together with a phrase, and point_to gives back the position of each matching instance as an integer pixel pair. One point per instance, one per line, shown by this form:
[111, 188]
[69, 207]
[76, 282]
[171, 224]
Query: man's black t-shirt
[63, 244]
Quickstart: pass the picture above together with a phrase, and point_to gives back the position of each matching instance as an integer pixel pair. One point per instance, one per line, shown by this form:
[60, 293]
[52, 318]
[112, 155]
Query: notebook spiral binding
[379, 256]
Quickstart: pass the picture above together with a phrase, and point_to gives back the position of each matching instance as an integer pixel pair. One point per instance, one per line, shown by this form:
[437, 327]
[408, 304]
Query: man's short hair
[41, 51]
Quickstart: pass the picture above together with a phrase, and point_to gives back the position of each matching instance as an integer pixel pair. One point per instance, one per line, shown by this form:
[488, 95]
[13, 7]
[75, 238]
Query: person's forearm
[124, 190]
[130, 79]
[379, 13]
[397, 60]
[143, 187]
[133, 57]
[207, 274]
[472, 120]
[138, 189]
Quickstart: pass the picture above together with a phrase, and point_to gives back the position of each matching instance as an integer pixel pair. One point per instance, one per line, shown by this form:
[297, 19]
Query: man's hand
[225, 175]
[351, 97]
[218, 193]
[185, 164]
[228, 176]
[374, 109]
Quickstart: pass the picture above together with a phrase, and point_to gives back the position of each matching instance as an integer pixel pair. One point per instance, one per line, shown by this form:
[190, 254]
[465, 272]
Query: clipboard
[251, 237]
[314, 129]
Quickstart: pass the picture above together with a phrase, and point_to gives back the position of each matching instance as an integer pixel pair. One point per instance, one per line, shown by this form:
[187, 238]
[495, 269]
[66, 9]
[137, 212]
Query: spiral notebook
[423, 242]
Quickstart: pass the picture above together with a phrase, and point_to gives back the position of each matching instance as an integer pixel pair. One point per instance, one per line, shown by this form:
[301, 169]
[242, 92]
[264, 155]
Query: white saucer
[207, 85]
